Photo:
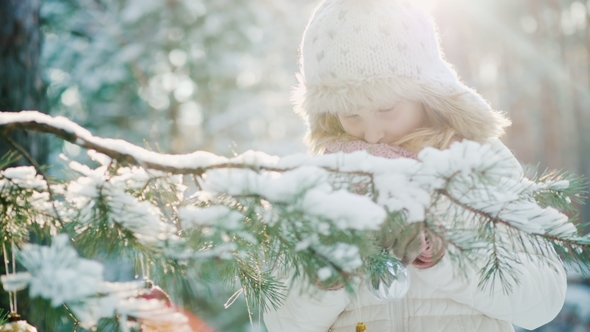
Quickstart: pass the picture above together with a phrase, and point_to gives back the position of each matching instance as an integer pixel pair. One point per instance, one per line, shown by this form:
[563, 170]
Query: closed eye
[387, 110]
[351, 116]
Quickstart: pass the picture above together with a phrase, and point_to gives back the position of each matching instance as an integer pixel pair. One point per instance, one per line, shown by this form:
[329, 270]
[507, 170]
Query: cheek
[411, 119]
[415, 121]
[350, 126]
[397, 127]
[352, 129]
[402, 124]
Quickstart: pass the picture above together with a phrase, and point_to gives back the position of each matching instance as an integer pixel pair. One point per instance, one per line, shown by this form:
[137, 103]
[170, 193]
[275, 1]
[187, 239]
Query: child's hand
[412, 245]
[433, 250]
[407, 245]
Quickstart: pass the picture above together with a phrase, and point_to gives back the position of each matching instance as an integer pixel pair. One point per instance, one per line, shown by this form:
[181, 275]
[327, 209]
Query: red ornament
[194, 324]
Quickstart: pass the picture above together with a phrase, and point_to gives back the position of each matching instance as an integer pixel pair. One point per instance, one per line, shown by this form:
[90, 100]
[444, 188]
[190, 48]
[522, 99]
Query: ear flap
[467, 113]
[457, 105]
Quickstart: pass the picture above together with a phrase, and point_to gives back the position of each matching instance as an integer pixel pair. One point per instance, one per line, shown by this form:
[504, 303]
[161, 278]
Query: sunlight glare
[425, 5]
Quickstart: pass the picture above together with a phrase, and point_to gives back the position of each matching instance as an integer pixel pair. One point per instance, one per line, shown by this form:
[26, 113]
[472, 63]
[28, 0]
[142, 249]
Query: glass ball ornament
[397, 286]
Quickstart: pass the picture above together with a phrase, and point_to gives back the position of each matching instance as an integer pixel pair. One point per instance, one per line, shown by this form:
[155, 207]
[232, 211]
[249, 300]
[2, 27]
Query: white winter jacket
[438, 300]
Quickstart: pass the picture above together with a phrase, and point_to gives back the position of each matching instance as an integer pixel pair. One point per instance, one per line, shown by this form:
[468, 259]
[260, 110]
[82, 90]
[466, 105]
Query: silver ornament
[398, 287]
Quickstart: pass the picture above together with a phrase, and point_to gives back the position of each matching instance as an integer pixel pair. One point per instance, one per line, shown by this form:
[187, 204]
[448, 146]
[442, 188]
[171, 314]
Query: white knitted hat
[366, 54]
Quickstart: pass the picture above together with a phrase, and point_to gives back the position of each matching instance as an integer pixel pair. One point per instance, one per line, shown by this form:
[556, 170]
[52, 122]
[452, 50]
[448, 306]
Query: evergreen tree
[180, 74]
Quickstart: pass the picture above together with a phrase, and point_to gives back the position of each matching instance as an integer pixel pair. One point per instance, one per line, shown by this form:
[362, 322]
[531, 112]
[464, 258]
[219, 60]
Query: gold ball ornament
[15, 324]
[20, 326]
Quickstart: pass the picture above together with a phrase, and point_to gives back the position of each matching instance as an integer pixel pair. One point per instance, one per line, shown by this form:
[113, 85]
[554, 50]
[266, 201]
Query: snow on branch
[473, 177]
[255, 216]
[57, 274]
[128, 153]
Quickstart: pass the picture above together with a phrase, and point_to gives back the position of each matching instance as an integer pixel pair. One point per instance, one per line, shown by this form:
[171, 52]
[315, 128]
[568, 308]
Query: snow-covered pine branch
[129, 154]
[255, 217]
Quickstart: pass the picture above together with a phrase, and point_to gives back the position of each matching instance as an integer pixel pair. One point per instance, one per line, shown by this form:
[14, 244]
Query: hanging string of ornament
[381, 291]
[15, 322]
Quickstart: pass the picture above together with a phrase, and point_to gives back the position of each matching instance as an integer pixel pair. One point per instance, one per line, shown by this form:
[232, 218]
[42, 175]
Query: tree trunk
[21, 88]
[21, 85]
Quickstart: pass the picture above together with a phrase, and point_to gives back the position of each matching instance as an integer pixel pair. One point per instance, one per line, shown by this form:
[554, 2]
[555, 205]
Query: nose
[373, 133]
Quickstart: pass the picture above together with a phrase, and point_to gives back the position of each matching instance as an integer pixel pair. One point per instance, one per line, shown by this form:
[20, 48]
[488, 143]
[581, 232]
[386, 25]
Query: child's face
[384, 126]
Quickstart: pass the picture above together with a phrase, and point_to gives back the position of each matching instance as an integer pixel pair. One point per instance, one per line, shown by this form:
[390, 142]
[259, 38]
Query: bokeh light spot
[177, 57]
[529, 24]
[190, 114]
[70, 96]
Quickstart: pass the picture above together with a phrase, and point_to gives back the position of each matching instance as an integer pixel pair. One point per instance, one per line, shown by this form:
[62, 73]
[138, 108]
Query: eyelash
[352, 116]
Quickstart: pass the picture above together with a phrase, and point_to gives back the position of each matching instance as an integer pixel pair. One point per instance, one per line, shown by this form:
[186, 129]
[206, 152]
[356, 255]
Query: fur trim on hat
[459, 106]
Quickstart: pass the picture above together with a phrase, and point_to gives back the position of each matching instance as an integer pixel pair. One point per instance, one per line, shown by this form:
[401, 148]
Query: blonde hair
[445, 123]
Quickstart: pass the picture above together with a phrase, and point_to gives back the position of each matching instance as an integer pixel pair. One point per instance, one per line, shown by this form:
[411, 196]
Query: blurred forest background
[216, 75]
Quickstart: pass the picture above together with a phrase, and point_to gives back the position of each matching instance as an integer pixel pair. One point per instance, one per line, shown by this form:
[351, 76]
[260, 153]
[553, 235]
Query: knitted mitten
[430, 254]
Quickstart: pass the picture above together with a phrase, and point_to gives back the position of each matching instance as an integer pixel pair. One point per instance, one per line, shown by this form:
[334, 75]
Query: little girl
[373, 78]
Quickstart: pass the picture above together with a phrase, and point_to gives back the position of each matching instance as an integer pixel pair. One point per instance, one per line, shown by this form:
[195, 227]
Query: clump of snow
[345, 210]
[220, 216]
[25, 190]
[100, 158]
[110, 296]
[92, 309]
[57, 273]
[140, 217]
[398, 193]
[25, 177]
[324, 273]
[558, 185]
[138, 177]
[344, 255]
[223, 251]
[266, 212]
[16, 281]
[467, 163]
[307, 188]
[282, 187]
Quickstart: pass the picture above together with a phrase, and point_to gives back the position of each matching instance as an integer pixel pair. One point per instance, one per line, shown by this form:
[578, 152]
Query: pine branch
[563, 190]
[584, 245]
[127, 153]
[39, 169]
[497, 265]
[255, 214]
[9, 158]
